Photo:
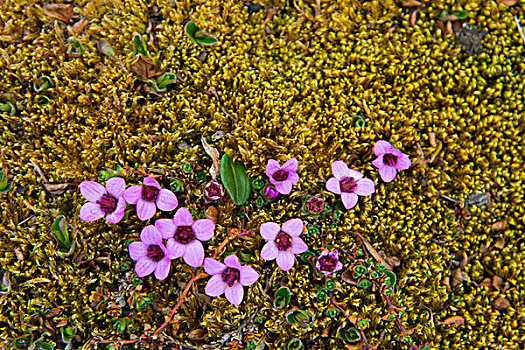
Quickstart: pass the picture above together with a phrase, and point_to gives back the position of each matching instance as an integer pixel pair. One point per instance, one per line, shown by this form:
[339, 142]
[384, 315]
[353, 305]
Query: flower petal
[248, 275]
[90, 212]
[144, 267]
[293, 227]
[365, 187]
[145, 209]
[284, 187]
[269, 251]
[150, 235]
[194, 254]
[355, 174]
[215, 286]
[378, 163]
[116, 216]
[137, 250]
[183, 217]
[133, 194]
[388, 173]
[204, 229]
[339, 169]
[349, 199]
[175, 249]
[298, 246]
[293, 177]
[332, 185]
[290, 165]
[272, 167]
[116, 186]
[166, 201]
[234, 294]
[213, 267]
[269, 230]
[232, 261]
[163, 269]
[150, 181]
[382, 147]
[92, 191]
[285, 260]
[338, 266]
[403, 162]
[165, 227]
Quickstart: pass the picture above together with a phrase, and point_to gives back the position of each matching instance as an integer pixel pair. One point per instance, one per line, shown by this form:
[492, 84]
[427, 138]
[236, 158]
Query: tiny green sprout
[350, 335]
[321, 295]
[369, 261]
[300, 317]
[164, 80]
[74, 48]
[193, 212]
[139, 47]
[390, 279]
[127, 242]
[198, 35]
[363, 324]
[306, 255]
[60, 233]
[260, 319]
[313, 230]
[186, 168]
[124, 266]
[330, 285]
[5, 287]
[4, 185]
[374, 274]
[42, 100]
[359, 252]
[250, 345]
[40, 345]
[136, 282]
[379, 267]
[42, 83]
[105, 48]
[281, 298]
[259, 202]
[176, 185]
[360, 270]
[68, 333]
[365, 283]
[23, 342]
[257, 184]
[8, 108]
[332, 312]
[358, 121]
[246, 257]
[200, 175]
[295, 344]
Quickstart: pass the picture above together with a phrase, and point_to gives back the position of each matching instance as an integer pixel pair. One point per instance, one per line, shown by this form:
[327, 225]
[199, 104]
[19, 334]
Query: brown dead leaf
[19, 255]
[56, 188]
[441, 26]
[482, 248]
[413, 18]
[487, 282]
[63, 12]
[411, 3]
[499, 226]
[143, 67]
[214, 155]
[53, 312]
[432, 139]
[78, 27]
[454, 320]
[197, 334]
[508, 2]
[497, 282]
[459, 277]
[373, 251]
[449, 27]
[462, 257]
[502, 304]
[353, 318]
[212, 213]
[357, 346]
[49, 326]
[500, 242]
[348, 277]
[394, 261]
[62, 323]
[446, 283]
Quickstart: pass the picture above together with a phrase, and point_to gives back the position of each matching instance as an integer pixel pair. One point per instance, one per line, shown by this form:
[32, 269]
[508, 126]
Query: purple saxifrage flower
[150, 254]
[270, 192]
[184, 236]
[103, 201]
[150, 196]
[328, 262]
[389, 160]
[349, 183]
[283, 177]
[213, 191]
[283, 244]
[228, 278]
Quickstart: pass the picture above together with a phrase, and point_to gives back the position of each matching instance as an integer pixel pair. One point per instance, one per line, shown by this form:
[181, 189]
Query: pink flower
[282, 245]
[328, 262]
[270, 192]
[228, 278]
[213, 191]
[389, 160]
[150, 196]
[349, 183]
[184, 236]
[103, 201]
[150, 254]
[283, 177]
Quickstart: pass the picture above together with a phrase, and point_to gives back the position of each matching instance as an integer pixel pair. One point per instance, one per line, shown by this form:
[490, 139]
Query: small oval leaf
[281, 298]
[198, 35]
[235, 180]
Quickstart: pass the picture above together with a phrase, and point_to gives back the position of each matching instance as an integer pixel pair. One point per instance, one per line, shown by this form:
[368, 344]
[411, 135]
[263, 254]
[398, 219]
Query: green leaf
[105, 48]
[295, 344]
[68, 333]
[198, 35]
[42, 83]
[166, 79]
[301, 317]
[40, 345]
[359, 122]
[74, 48]
[139, 46]
[4, 185]
[390, 279]
[23, 342]
[9, 108]
[351, 335]
[235, 180]
[60, 232]
[281, 298]
[42, 100]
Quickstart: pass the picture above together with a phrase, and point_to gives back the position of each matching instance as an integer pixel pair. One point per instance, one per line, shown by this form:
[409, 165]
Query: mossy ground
[288, 91]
